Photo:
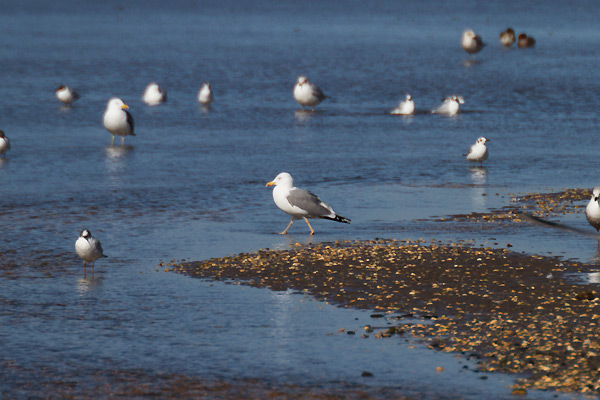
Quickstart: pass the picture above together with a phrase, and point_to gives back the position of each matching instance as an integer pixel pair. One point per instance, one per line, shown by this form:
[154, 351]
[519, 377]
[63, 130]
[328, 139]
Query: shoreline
[516, 311]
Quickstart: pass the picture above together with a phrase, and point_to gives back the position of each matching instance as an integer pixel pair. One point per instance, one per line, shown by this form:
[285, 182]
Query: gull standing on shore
[4, 144]
[117, 120]
[406, 107]
[471, 42]
[205, 95]
[88, 248]
[308, 94]
[478, 152]
[154, 94]
[300, 203]
[450, 105]
[66, 95]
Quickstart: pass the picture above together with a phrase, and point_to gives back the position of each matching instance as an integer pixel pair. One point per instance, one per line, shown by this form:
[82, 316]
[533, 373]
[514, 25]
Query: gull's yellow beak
[270, 183]
[125, 107]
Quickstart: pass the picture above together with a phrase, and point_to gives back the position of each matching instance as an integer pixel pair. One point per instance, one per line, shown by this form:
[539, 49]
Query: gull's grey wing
[130, 121]
[559, 226]
[318, 93]
[309, 202]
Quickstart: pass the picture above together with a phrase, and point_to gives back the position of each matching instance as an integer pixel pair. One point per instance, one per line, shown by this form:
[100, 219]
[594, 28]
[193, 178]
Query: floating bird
[300, 203]
[507, 38]
[406, 107]
[471, 42]
[524, 41]
[117, 120]
[4, 144]
[478, 153]
[205, 95]
[592, 211]
[88, 248]
[66, 94]
[450, 105]
[307, 94]
[154, 94]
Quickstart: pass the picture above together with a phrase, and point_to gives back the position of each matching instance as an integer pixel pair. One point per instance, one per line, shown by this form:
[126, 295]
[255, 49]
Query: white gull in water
[154, 94]
[308, 94]
[205, 95]
[507, 38]
[471, 42]
[300, 203]
[66, 95]
[88, 248]
[4, 144]
[117, 119]
[478, 152]
[406, 107]
[450, 105]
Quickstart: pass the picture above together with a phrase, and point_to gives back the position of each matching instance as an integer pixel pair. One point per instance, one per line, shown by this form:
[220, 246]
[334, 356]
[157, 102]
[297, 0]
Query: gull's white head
[115, 102]
[302, 80]
[283, 179]
[469, 34]
[408, 97]
[596, 193]
[86, 234]
[481, 140]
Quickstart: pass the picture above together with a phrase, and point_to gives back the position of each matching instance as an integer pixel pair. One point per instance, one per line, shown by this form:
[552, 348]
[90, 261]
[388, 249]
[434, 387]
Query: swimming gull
[406, 107]
[154, 94]
[66, 95]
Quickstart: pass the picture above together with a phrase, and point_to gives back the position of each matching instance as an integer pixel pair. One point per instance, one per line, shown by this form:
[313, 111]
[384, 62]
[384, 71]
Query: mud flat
[516, 312]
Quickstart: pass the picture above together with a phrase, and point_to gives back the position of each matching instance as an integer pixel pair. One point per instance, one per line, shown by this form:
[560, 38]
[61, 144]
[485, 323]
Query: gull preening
[406, 107]
[507, 38]
[88, 248]
[4, 144]
[205, 95]
[117, 120]
[66, 95]
[450, 105]
[592, 210]
[308, 94]
[524, 41]
[478, 152]
[471, 42]
[300, 203]
[154, 94]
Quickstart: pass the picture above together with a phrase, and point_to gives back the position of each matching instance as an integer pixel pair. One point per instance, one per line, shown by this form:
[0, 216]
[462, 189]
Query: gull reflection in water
[290, 242]
[477, 192]
[303, 115]
[115, 159]
[88, 283]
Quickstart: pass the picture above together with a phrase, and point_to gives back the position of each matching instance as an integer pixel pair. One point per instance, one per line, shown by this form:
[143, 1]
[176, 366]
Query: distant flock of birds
[298, 203]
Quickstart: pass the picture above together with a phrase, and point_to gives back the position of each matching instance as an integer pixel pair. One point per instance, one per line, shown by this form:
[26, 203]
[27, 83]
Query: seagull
[406, 107]
[524, 41]
[154, 94]
[117, 120]
[471, 42]
[450, 105]
[205, 95]
[300, 203]
[88, 248]
[478, 152]
[66, 94]
[307, 94]
[592, 211]
[507, 38]
[4, 144]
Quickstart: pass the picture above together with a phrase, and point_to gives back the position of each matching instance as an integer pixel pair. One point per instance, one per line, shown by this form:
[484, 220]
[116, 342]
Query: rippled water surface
[191, 184]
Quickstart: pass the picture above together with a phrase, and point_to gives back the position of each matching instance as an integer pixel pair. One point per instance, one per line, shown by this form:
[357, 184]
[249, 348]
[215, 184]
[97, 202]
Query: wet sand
[515, 312]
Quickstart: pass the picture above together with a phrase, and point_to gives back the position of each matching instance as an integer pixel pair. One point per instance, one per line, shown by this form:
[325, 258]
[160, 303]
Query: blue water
[191, 184]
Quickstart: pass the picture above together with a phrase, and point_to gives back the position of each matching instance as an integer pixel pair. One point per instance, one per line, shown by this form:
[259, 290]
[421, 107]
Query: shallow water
[190, 185]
